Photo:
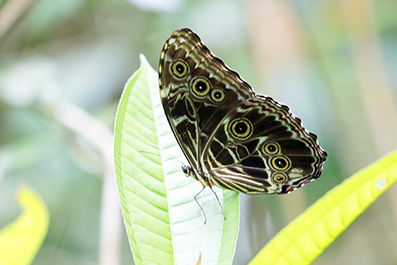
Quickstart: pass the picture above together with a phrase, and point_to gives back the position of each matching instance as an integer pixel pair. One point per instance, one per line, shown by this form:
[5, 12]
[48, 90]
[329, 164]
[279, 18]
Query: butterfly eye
[271, 148]
[241, 128]
[217, 95]
[179, 68]
[201, 86]
[280, 163]
[279, 178]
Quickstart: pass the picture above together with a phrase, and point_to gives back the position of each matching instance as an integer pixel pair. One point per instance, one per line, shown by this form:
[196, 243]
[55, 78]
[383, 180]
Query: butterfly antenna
[219, 202]
[202, 210]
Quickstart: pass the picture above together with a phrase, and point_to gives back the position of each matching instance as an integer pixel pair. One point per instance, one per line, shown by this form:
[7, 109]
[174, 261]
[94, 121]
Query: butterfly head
[187, 170]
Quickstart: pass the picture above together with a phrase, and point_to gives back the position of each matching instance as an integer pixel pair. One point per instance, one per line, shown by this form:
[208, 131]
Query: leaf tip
[142, 59]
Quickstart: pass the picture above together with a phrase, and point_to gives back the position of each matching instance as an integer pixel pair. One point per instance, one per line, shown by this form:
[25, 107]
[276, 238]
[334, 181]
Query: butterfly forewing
[196, 101]
[231, 137]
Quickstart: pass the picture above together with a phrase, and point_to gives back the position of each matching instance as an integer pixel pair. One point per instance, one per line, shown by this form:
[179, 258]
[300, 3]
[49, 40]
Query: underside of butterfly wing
[261, 147]
[231, 137]
[197, 91]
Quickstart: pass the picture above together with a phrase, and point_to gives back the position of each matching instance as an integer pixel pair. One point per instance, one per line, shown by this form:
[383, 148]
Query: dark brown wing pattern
[277, 156]
[231, 137]
[195, 113]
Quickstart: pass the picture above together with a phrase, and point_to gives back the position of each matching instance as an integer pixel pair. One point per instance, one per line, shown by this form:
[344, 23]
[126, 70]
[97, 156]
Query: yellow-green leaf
[303, 240]
[21, 240]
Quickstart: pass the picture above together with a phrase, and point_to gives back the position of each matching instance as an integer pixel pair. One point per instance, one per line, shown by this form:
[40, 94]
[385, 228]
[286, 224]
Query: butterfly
[231, 137]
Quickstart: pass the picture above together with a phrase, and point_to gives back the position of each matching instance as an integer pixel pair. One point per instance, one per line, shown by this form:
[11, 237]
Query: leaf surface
[21, 240]
[163, 222]
[305, 238]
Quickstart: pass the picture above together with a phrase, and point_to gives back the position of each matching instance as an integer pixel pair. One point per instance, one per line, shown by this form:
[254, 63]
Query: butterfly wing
[261, 147]
[232, 137]
[197, 91]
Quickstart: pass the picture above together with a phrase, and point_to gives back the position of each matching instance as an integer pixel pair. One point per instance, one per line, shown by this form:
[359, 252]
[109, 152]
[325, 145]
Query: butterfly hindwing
[261, 147]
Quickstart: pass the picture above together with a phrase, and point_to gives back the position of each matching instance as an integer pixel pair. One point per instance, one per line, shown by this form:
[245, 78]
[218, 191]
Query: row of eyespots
[277, 162]
[242, 129]
[200, 86]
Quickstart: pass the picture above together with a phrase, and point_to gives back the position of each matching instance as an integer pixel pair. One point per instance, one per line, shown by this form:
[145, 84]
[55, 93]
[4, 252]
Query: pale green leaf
[163, 222]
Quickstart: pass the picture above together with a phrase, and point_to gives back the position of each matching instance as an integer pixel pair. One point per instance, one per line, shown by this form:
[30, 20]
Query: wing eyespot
[217, 95]
[179, 68]
[241, 128]
[271, 148]
[280, 163]
[279, 178]
[200, 86]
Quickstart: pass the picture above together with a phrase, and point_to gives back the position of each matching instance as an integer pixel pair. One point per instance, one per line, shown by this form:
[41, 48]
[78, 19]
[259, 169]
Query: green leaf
[304, 239]
[21, 240]
[164, 223]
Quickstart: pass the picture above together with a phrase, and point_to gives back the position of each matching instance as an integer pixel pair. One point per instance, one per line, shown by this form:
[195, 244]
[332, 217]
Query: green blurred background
[63, 65]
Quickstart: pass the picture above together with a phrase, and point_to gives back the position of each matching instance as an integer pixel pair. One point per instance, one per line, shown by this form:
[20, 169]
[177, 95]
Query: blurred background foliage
[63, 65]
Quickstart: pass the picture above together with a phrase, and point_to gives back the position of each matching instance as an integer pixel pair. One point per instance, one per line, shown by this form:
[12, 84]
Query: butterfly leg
[220, 204]
[202, 210]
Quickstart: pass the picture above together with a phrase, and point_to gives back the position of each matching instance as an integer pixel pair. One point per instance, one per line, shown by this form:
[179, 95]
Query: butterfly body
[232, 137]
